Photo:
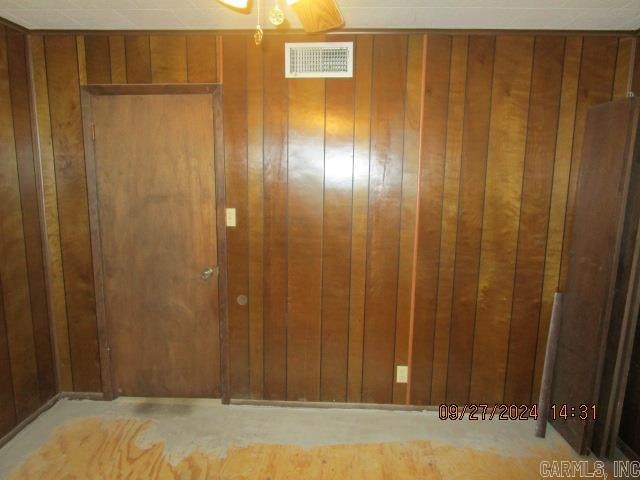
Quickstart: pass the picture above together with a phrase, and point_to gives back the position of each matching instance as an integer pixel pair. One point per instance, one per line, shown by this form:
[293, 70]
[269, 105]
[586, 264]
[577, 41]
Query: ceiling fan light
[239, 4]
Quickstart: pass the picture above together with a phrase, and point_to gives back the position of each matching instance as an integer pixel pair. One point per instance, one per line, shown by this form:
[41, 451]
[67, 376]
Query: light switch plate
[231, 217]
[402, 373]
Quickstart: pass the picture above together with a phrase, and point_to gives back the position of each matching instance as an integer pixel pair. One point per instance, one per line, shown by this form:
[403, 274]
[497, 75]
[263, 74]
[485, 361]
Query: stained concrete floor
[155, 438]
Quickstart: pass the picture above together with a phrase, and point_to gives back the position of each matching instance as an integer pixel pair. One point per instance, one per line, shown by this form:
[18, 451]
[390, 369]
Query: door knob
[208, 273]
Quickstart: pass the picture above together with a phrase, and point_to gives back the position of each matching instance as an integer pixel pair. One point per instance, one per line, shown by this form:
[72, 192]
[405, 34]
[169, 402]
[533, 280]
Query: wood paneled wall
[27, 372]
[416, 214]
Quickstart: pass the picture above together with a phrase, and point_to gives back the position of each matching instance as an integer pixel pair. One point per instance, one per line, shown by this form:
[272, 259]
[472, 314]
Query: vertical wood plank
[304, 236]
[336, 243]
[413, 103]
[255, 127]
[471, 203]
[55, 276]
[432, 161]
[505, 168]
[68, 147]
[361, 148]
[118, 59]
[235, 151]
[97, 59]
[8, 416]
[138, 57]
[544, 105]
[624, 67]
[450, 196]
[562, 167]
[201, 58]
[82, 59]
[13, 261]
[595, 86]
[385, 195]
[30, 212]
[168, 58]
[275, 220]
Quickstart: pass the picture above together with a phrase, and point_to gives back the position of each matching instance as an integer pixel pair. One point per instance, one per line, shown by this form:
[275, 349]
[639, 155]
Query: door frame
[215, 90]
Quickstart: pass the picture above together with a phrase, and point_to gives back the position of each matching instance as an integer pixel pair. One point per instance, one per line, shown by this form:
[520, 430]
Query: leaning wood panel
[255, 188]
[413, 107]
[138, 58]
[448, 237]
[30, 212]
[361, 149]
[562, 166]
[624, 67]
[235, 152]
[537, 185]
[304, 237]
[432, 163]
[118, 59]
[51, 225]
[275, 220]
[97, 59]
[8, 417]
[13, 261]
[68, 147]
[201, 58]
[595, 86]
[471, 204]
[385, 196]
[168, 58]
[336, 244]
[505, 166]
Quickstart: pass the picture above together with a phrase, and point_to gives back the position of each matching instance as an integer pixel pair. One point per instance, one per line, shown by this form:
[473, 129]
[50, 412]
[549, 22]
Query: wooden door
[601, 201]
[156, 209]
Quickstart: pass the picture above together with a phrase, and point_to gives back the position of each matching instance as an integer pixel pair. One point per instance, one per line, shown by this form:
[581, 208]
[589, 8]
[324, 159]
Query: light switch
[231, 217]
[402, 373]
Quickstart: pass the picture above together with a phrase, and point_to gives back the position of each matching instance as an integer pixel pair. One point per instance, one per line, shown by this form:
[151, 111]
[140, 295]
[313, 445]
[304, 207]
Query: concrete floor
[331, 441]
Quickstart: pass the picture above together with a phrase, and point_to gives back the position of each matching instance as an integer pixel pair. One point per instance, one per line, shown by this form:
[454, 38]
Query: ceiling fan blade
[318, 15]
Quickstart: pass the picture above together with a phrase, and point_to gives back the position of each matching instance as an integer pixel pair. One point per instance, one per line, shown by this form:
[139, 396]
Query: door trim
[215, 90]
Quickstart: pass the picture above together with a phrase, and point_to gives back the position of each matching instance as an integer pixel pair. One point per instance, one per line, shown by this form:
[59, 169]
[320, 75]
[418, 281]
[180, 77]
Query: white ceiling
[208, 14]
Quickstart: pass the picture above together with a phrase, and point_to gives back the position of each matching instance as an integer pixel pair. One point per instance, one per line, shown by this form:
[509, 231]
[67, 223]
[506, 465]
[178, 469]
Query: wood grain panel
[168, 58]
[118, 58]
[361, 148]
[235, 148]
[82, 60]
[304, 236]
[8, 416]
[413, 107]
[97, 59]
[55, 275]
[30, 212]
[275, 220]
[562, 166]
[505, 169]
[138, 57]
[595, 86]
[544, 104]
[385, 196]
[68, 148]
[336, 231]
[471, 203]
[448, 235]
[13, 261]
[255, 189]
[432, 166]
[624, 67]
[201, 58]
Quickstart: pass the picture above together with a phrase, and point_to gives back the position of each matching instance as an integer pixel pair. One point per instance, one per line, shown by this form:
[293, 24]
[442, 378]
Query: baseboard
[99, 396]
[330, 405]
[24, 423]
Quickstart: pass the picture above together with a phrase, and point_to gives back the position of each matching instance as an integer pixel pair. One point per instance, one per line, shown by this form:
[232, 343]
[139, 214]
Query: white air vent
[318, 60]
